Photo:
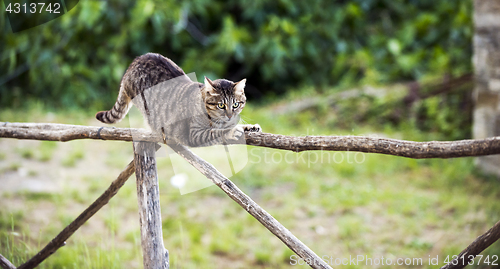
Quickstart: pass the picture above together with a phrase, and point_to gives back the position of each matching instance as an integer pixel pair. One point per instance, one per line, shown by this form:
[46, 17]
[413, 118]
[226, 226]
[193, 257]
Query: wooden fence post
[155, 256]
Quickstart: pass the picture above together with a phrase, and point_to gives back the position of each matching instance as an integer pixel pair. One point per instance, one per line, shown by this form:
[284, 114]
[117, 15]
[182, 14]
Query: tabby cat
[192, 113]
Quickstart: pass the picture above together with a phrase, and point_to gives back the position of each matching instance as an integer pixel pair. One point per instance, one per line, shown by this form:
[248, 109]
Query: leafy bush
[79, 58]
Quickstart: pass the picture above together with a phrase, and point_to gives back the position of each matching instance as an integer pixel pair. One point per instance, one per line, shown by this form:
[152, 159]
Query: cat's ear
[209, 87]
[239, 87]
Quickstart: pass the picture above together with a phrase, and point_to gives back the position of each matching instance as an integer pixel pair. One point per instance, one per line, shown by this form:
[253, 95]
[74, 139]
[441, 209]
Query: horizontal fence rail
[395, 147]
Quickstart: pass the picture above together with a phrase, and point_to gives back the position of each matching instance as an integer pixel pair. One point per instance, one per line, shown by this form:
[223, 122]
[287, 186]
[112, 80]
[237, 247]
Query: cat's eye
[236, 105]
[221, 106]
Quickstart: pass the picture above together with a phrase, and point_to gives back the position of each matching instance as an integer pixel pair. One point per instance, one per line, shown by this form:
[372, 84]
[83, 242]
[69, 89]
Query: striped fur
[118, 112]
[192, 113]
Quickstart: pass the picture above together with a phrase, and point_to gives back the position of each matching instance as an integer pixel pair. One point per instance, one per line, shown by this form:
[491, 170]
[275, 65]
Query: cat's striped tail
[118, 112]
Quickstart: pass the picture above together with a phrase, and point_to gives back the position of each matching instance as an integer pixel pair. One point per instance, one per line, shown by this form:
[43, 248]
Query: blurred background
[79, 59]
[387, 68]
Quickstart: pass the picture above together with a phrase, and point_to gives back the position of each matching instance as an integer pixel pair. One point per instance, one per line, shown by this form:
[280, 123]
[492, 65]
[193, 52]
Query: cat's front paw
[235, 133]
[252, 128]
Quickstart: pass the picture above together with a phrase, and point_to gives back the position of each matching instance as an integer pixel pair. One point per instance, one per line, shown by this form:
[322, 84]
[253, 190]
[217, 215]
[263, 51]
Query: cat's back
[149, 70]
[156, 65]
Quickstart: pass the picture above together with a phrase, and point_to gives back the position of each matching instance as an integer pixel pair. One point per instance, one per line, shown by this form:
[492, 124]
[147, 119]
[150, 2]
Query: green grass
[42, 196]
[119, 156]
[339, 204]
[46, 150]
[26, 153]
[73, 157]
[9, 221]
[12, 166]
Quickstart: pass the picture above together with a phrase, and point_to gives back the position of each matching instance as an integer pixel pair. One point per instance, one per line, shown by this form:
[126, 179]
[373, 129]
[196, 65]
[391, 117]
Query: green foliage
[78, 59]
[449, 114]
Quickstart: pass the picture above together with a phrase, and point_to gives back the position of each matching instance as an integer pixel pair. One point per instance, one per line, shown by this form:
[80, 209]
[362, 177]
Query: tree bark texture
[409, 149]
[6, 264]
[155, 256]
[486, 60]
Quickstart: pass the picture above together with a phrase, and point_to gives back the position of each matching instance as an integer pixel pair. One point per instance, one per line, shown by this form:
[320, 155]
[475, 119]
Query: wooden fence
[144, 165]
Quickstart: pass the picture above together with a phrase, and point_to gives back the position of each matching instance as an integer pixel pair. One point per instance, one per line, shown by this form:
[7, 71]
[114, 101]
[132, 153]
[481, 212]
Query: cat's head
[224, 100]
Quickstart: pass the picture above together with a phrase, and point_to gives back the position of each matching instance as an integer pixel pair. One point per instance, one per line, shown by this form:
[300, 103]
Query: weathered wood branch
[403, 148]
[60, 239]
[6, 264]
[481, 243]
[154, 254]
[250, 206]
[67, 132]
[410, 149]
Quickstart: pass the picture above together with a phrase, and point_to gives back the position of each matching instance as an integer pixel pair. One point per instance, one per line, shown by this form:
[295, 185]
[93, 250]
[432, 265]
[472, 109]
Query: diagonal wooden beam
[470, 252]
[268, 221]
[60, 239]
[6, 264]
